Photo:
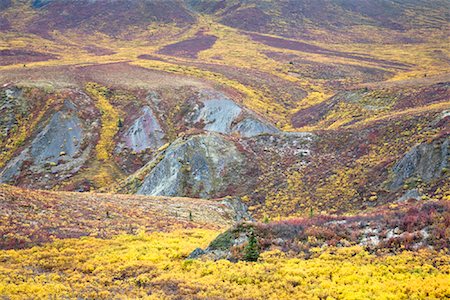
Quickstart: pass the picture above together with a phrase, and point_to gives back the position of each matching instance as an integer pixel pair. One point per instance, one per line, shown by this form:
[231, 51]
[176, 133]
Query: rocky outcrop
[424, 162]
[65, 131]
[249, 127]
[12, 105]
[206, 166]
[213, 165]
[12, 170]
[58, 149]
[59, 140]
[218, 113]
[395, 229]
[144, 133]
[409, 194]
[239, 209]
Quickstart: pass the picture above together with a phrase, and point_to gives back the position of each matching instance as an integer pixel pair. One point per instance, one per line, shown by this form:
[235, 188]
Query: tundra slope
[34, 217]
[206, 145]
[408, 226]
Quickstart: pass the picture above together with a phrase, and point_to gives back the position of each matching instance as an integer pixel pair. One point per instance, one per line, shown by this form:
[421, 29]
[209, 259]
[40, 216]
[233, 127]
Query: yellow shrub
[110, 116]
[154, 267]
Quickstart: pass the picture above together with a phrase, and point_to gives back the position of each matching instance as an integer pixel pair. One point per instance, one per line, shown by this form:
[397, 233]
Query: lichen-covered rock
[206, 166]
[425, 162]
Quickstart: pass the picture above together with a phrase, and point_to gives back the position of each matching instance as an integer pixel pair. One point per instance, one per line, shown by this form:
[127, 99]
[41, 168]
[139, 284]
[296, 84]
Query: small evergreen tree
[251, 251]
[120, 123]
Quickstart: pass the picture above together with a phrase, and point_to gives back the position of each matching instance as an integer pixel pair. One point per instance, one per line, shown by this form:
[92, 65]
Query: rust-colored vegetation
[34, 217]
[368, 79]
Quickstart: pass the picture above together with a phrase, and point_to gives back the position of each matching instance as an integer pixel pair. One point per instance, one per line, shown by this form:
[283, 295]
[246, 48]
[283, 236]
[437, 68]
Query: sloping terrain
[77, 134]
[154, 266]
[31, 218]
[178, 136]
[98, 15]
[391, 229]
[371, 101]
[293, 60]
[302, 19]
[133, 132]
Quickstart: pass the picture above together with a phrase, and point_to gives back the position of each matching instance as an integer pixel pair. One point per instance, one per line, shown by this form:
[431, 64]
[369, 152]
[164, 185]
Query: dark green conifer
[251, 251]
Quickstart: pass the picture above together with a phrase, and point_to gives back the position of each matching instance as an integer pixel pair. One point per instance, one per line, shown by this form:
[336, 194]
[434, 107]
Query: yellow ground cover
[154, 267]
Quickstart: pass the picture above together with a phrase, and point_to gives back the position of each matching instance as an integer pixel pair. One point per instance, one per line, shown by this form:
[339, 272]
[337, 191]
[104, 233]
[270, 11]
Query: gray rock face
[218, 114]
[203, 166]
[251, 127]
[409, 194]
[240, 209]
[221, 114]
[424, 161]
[60, 139]
[13, 168]
[196, 253]
[145, 132]
[11, 105]
[56, 151]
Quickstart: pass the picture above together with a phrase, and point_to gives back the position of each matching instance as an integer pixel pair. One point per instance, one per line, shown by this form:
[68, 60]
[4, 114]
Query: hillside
[276, 75]
[36, 217]
[157, 133]
[394, 228]
[224, 149]
[307, 258]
